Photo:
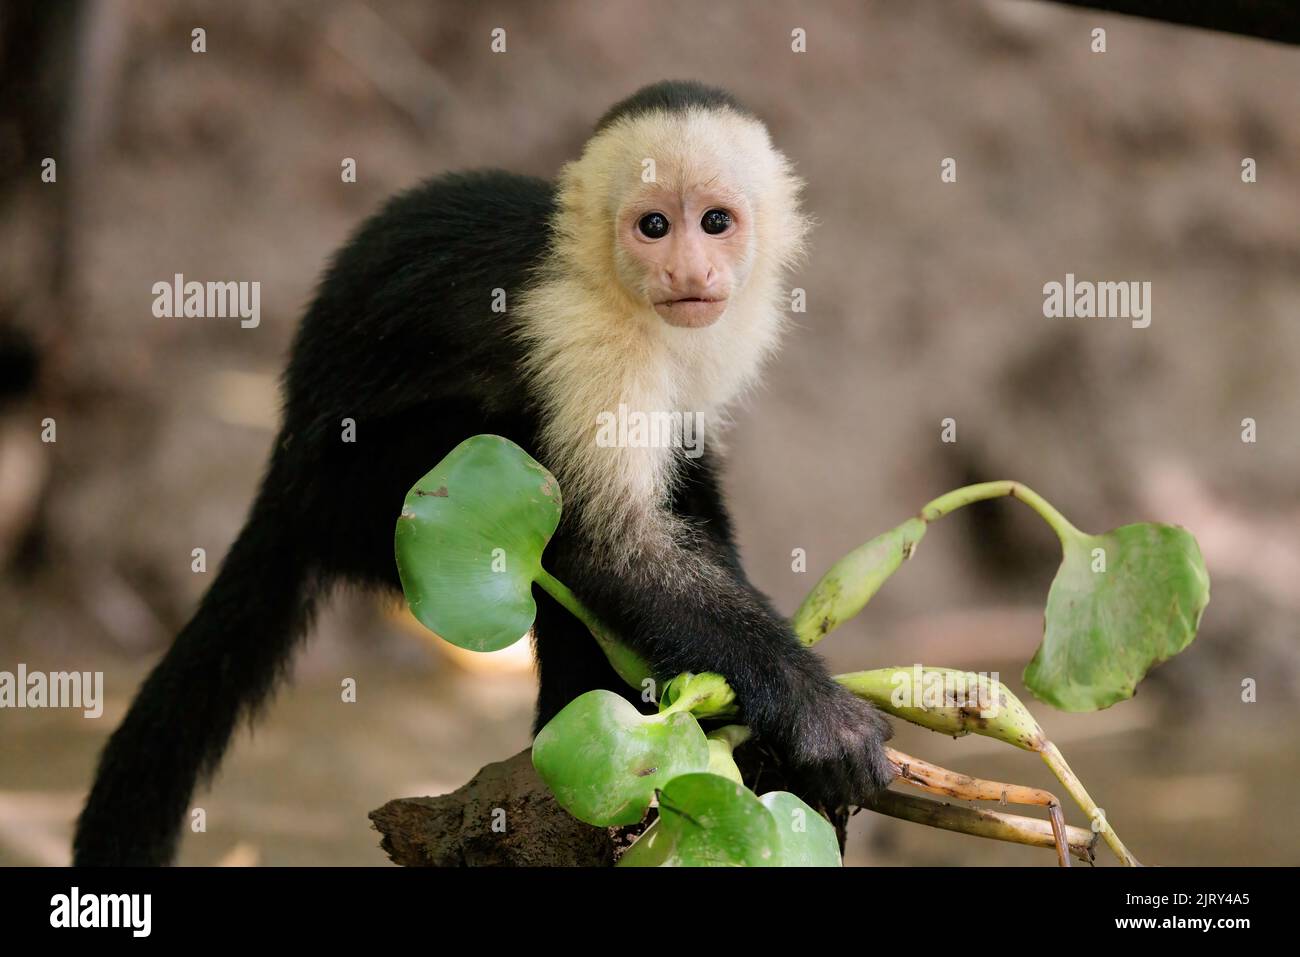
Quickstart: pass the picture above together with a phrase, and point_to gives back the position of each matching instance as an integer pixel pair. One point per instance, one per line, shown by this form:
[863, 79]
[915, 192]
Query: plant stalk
[631, 667]
[1053, 759]
[958, 498]
[980, 822]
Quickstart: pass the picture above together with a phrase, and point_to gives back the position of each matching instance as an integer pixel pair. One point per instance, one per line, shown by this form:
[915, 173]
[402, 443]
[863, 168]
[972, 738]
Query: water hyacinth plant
[469, 544]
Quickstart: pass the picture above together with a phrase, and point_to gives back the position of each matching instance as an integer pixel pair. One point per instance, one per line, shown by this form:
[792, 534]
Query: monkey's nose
[690, 283]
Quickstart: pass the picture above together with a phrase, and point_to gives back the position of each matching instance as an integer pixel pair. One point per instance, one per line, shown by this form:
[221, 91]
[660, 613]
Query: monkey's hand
[834, 747]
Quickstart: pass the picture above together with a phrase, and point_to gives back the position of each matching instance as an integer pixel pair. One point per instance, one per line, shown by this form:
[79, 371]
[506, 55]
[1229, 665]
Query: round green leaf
[469, 542]
[704, 823]
[1120, 603]
[708, 821]
[804, 837]
[603, 760]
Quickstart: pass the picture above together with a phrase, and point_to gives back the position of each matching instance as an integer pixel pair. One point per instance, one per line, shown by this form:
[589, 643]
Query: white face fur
[685, 246]
[652, 300]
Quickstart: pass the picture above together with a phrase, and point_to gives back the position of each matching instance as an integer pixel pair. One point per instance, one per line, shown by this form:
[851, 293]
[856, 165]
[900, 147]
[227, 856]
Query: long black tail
[222, 666]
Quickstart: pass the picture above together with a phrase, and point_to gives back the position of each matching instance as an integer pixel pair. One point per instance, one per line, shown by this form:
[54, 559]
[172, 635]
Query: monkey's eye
[653, 225]
[716, 221]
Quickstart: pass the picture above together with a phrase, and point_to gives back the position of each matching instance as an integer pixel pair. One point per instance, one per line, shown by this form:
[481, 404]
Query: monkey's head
[681, 195]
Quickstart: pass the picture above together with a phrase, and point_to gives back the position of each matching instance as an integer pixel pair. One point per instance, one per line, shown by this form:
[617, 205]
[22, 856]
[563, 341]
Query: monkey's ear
[469, 542]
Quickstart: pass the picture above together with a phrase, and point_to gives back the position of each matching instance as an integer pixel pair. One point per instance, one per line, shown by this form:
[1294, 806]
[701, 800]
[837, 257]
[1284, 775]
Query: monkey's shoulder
[421, 290]
[473, 206]
[454, 238]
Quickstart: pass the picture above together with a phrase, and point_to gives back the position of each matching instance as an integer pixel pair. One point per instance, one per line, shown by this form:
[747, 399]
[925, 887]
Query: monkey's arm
[693, 609]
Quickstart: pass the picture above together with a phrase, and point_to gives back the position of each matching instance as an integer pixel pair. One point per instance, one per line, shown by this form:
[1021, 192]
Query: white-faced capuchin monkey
[655, 286]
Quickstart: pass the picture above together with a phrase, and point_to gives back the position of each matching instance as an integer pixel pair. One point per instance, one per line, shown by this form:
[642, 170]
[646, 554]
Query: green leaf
[708, 821]
[804, 837]
[469, 542]
[1105, 628]
[603, 760]
[853, 580]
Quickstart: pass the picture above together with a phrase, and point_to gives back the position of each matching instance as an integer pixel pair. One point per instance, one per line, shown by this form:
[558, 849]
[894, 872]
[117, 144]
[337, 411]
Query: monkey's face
[702, 211]
[686, 251]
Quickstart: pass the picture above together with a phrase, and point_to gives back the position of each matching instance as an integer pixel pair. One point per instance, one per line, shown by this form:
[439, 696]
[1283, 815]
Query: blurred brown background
[924, 301]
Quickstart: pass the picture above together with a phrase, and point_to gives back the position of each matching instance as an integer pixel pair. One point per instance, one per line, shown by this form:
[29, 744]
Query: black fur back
[401, 339]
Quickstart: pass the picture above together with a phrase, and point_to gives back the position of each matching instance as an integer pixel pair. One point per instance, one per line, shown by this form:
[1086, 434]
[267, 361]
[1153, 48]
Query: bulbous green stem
[684, 703]
[958, 498]
[722, 745]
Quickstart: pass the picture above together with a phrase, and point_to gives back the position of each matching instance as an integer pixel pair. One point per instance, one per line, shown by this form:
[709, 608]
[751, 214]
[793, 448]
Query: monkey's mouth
[691, 311]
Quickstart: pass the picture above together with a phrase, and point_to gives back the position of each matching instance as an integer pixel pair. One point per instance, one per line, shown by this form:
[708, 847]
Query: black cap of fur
[673, 96]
